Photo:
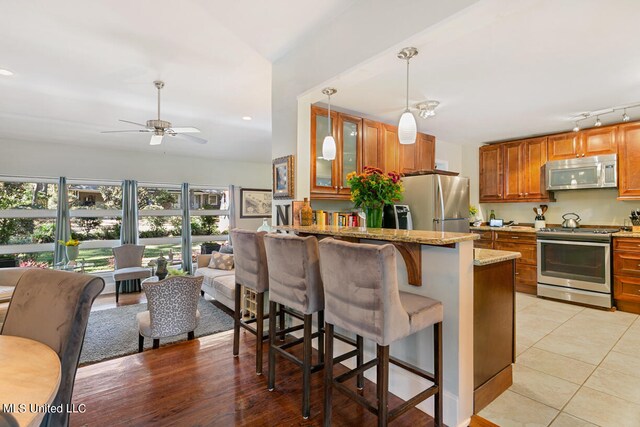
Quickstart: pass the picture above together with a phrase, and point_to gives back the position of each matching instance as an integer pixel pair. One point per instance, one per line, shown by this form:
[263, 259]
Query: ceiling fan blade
[133, 123]
[156, 139]
[120, 131]
[184, 130]
[188, 137]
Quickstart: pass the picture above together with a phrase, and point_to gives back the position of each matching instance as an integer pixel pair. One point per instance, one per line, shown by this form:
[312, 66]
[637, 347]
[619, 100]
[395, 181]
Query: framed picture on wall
[255, 203]
[283, 177]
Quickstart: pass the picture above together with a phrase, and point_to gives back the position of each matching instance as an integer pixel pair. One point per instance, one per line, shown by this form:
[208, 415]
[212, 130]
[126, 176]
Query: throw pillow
[221, 261]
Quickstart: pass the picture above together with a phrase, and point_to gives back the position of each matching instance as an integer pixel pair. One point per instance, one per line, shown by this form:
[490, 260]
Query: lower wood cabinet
[526, 266]
[626, 274]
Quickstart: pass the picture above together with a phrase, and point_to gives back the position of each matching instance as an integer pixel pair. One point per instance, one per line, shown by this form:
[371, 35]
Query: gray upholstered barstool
[362, 296]
[294, 283]
[251, 272]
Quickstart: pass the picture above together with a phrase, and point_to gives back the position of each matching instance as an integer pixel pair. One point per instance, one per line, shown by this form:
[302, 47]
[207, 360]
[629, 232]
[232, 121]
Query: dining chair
[173, 309]
[52, 307]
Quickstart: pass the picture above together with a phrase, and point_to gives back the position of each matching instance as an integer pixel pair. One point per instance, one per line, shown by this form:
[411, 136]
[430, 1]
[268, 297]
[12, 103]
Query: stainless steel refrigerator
[438, 202]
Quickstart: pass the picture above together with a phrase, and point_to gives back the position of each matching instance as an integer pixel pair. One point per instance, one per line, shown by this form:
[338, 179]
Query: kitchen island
[439, 265]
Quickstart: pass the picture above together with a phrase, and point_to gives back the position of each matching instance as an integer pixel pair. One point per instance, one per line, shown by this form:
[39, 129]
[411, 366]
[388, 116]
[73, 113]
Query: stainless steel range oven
[575, 265]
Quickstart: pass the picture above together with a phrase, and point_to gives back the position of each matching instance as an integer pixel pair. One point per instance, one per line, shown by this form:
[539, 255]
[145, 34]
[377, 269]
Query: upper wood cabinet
[329, 177]
[598, 141]
[491, 169]
[359, 143]
[513, 171]
[391, 146]
[563, 146]
[585, 143]
[372, 145]
[628, 156]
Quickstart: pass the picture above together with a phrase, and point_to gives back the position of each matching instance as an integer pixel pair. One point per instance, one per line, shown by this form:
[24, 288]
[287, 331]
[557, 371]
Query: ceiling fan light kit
[329, 143]
[407, 127]
[160, 127]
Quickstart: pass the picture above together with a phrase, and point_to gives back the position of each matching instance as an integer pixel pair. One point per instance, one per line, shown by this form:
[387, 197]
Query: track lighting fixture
[427, 109]
[576, 128]
[598, 123]
[625, 116]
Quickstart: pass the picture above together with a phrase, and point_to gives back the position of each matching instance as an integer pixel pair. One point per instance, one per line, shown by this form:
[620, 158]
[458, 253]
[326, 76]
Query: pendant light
[407, 128]
[329, 144]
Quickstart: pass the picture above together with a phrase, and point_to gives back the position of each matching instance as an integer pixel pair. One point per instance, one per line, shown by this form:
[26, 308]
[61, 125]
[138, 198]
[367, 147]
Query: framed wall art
[255, 203]
[283, 178]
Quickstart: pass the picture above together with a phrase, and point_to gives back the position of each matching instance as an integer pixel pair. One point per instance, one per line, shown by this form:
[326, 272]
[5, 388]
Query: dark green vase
[374, 217]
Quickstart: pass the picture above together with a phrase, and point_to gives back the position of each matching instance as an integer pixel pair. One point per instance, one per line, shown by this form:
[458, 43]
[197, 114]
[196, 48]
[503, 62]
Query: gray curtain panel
[129, 228]
[63, 222]
[187, 264]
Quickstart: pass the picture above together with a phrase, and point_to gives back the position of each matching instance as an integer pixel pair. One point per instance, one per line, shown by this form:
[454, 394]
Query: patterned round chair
[173, 309]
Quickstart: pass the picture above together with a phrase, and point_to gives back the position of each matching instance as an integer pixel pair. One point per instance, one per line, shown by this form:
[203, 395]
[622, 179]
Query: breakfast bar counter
[439, 265]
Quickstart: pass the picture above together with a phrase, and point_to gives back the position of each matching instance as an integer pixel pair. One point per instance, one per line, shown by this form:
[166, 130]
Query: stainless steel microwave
[585, 172]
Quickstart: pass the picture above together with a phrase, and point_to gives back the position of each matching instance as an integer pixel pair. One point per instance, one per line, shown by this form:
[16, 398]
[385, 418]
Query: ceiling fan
[159, 128]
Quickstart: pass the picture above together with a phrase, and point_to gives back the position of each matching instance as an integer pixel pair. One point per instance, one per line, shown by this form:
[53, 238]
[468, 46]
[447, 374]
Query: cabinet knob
[577, 155]
[520, 194]
[514, 237]
[335, 188]
[526, 194]
[582, 154]
[517, 274]
[500, 195]
[341, 187]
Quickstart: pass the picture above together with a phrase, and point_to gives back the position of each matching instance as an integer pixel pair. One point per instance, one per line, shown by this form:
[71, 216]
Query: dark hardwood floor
[200, 383]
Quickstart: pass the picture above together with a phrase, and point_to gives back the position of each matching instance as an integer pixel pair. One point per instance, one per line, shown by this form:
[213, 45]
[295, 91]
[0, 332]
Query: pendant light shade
[329, 148]
[329, 143]
[407, 127]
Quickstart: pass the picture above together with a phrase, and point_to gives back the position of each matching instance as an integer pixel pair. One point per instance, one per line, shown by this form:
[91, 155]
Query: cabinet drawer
[626, 263]
[510, 236]
[482, 243]
[485, 235]
[528, 251]
[626, 288]
[626, 244]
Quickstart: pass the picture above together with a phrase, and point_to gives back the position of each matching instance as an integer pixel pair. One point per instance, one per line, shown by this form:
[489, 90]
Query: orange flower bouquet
[372, 189]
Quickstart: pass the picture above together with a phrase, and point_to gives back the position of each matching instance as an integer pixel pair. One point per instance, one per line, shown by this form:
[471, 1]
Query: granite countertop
[626, 234]
[517, 228]
[392, 235]
[491, 256]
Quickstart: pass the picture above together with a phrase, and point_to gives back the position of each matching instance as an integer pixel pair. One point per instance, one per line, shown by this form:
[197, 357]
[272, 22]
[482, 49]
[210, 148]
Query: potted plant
[373, 189]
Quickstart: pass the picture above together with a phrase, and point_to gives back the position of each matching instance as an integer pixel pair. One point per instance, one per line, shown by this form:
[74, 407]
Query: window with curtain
[209, 212]
[27, 220]
[95, 209]
[160, 221]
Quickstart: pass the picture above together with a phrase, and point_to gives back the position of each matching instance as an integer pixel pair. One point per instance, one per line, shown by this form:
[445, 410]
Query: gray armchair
[53, 307]
[128, 265]
[173, 309]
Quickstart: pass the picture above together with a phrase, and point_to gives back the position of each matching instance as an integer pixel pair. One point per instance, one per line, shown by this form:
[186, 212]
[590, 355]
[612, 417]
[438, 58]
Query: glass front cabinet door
[329, 177]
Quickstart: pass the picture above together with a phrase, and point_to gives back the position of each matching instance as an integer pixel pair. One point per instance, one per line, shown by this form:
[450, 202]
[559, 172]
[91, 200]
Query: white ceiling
[82, 65]
[503, 69]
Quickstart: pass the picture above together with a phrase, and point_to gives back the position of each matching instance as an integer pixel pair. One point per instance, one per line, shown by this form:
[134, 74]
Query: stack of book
[339, 219]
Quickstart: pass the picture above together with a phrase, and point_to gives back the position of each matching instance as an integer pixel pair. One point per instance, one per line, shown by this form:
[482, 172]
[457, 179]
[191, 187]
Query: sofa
[219, 284]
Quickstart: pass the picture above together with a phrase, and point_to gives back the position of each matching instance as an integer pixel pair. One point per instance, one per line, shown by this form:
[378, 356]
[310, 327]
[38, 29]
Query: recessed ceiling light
[247, 118]
[4, 72]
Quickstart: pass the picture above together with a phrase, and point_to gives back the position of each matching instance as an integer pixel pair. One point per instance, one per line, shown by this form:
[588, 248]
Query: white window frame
[209, 212]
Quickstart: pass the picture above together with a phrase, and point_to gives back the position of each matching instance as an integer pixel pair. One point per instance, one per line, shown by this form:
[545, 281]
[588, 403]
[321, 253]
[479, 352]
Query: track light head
[625, 116]
[576, 128]
[598, 123]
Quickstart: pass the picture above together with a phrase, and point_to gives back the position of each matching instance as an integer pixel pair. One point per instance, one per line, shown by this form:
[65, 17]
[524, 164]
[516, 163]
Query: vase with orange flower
[372, 189]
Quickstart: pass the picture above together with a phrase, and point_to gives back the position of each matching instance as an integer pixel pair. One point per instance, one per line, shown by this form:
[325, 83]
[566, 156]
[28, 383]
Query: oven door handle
[575, 242]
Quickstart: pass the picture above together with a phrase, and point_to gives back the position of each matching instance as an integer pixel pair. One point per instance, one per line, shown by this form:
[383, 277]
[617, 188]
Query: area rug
[113, 332]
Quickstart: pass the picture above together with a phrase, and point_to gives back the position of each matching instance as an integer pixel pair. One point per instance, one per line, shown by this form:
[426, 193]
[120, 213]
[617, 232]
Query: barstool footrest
[361, 400]
[347, 355]
[353, 372]
[265, 335]
[413, 369]
[405, 406]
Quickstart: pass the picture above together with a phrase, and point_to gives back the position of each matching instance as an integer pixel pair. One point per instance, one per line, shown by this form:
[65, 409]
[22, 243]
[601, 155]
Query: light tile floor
[575, 366]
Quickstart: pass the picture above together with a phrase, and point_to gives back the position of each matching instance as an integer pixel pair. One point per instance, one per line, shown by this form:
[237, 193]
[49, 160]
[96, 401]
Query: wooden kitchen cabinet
[491, 173]
[329, 177]
[563, 146]
[522, 165]
[419, 156]
[372, 145]
[628, 155]
[485, 241]
[596, 141]
[626, 274]
[526, 266]
[391, 146]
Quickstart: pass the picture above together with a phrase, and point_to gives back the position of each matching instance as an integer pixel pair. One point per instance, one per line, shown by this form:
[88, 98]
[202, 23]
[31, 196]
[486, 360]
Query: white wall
[53, 160]
[595, 207]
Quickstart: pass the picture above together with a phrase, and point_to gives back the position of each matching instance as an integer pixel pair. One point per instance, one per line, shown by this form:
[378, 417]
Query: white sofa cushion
[210, 274]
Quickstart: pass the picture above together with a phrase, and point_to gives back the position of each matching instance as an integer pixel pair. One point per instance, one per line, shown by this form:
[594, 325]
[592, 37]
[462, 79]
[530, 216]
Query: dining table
[30, 375]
